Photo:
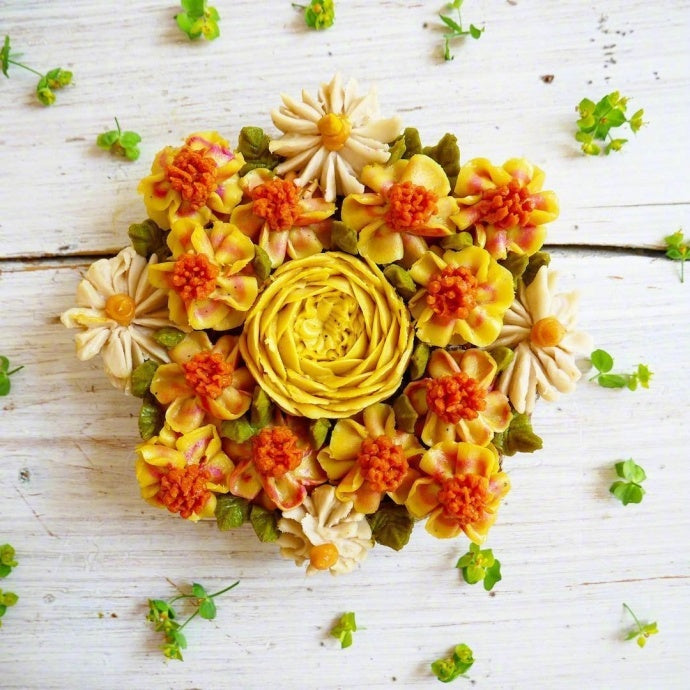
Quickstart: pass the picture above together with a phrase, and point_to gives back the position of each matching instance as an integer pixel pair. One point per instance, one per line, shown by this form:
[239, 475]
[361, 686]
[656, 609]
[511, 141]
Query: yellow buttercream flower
[283, 218]
[461, 490]
[184, 472]
[462, 299]
[409, 201]
[210, 285]
[455, 402]
[190, 185]
[203, 379]
[327, 337]
[371, 459]
[505, 204]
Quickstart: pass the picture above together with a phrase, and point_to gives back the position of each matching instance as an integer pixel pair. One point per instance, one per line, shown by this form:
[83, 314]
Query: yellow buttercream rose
[327, 337]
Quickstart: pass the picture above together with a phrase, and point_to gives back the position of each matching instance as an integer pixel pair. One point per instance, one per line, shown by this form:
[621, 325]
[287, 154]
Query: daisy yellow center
[207, 374]
[334, 130]
[464, 497]
[183, 489]
[324, 556]
[120, 308]
[547, 332]
[275, 451]
[409, 206]
[193, 174]
[382, 463]
[194, 277]
[452, 293]
[507, 206]
[277, 202]
[455, 397]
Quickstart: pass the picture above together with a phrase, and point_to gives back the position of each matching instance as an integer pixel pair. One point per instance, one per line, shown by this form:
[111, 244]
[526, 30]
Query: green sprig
[480, 566]
[7, 560]
[452, 667]
[344, 628]
[598, 119]
[628, 489]
[198, 20]
[456, 30]
[163, 615]
[47, 84]
[5, 374]
[678, 248]
[120, 143]
[641, 632]
[318, 14]
[602, 361]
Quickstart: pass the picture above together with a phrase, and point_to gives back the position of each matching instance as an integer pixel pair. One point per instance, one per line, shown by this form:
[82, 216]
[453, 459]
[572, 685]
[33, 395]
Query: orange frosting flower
[371, 458]
[184, 472]
[506, 205]
[192, 185]
[455, 401]
[460, 490]
[202, 380]
[462, 299]
[283, 218]
[279, 461]
[409, 202]
[212, 284]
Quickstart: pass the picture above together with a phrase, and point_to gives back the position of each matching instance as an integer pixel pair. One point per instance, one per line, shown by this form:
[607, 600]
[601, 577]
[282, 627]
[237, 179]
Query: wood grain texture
[571, 554]
[139, 67]
[91, 552]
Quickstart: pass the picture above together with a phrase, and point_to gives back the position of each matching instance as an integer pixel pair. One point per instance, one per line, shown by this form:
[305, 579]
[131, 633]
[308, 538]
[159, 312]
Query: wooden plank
[60, 195]
[571, 554]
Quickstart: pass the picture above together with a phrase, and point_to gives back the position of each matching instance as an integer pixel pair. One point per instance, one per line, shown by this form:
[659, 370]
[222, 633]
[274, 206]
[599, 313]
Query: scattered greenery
[456, 30]
[480, 565]
[640, 632]
[7, 560]
[602, 361]
[163, 616]
[344, 628]
[598, 119]
[47, 84]
[198, 19]
[628, 491]
[678, 248]
[454, 666]
[120, 143]
[318, 14]
[5, 374]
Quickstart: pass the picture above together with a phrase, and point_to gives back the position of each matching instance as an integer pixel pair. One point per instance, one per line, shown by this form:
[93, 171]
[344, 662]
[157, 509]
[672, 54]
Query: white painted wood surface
[571, 554]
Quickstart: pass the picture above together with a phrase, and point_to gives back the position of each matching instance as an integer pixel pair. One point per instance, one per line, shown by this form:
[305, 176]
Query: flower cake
[336, 332]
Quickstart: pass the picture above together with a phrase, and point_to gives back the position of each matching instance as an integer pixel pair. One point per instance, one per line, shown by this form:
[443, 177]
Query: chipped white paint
[571, 554]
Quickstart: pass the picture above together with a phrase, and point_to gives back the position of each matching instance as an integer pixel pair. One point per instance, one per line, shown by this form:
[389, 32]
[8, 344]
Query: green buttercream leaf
[147, 238]
[253, 145]
[142, 377]
[405, 415]
[344, 238]
[401, 280]
[503, 356]
[318, 432]
[265, 523]
[238, 430]
[536, 261]
[447, 154]
[168, 336]
[261, 263]
[261, 410]
[457, 241]
[391, 525]
[418, 360]
[151, 418]
[231, 512]
[518, 437]
[516, 264]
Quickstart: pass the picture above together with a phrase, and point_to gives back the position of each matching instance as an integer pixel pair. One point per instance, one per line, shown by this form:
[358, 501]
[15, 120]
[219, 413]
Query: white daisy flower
[328, 533]
[118, 311]
[333, 137]
[539, 327]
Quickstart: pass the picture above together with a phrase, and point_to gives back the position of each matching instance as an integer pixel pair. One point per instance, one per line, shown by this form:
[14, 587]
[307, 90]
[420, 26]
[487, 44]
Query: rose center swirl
[327, 337]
